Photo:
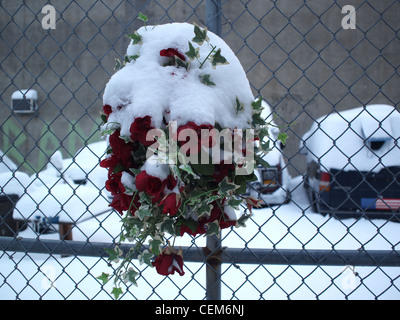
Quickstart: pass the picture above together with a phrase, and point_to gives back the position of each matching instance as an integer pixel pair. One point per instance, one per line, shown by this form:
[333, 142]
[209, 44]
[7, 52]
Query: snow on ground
[288, 226]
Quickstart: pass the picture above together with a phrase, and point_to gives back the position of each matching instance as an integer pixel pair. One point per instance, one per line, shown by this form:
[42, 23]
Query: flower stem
[204, 61]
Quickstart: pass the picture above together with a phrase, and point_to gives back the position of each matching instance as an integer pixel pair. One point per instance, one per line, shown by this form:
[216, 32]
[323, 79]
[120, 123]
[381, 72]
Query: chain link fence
[312, 61]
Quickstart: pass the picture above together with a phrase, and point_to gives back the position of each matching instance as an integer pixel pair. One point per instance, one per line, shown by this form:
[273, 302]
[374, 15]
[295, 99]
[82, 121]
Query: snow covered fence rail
[387, 258]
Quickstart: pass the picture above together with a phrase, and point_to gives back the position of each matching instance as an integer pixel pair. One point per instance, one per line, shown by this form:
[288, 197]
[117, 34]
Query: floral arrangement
[184, 133]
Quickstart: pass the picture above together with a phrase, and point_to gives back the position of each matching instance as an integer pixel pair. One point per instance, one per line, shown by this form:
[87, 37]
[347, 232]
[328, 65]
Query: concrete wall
[296, 54]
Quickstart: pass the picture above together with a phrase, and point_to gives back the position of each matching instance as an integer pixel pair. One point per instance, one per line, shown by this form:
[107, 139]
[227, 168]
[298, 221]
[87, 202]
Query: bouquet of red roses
[185, 134]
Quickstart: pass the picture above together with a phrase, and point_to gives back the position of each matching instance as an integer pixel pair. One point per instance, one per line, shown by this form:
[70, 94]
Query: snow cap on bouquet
[203, 94]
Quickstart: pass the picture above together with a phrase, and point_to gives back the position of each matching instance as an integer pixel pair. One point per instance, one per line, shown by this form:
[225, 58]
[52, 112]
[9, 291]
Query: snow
[289, 226]
[13, 183]
[147, 88]
[53, 194]
[64, 202]
[337, 140]
[154, 167]
[128, 181]
[6, 163]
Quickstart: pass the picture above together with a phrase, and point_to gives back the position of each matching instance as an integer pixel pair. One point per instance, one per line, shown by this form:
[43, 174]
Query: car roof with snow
[364, 139]
[274, 156]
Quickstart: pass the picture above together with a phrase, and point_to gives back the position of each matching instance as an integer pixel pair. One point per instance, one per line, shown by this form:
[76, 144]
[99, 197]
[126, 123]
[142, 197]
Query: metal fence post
[213, 267]
[213, 16]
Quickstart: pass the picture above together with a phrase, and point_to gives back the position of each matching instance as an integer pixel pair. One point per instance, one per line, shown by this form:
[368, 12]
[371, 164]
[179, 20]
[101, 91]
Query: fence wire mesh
[310, 60]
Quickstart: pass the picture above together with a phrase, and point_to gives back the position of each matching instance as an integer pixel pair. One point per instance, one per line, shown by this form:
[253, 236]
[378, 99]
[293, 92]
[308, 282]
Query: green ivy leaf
[118, 65]
[241, 222]
[182, 64]
[205, 79]
[205, 208]
[104, 277]
[226, 187]
[140, 153]
[243, 180]
[239, 105]
[168, 226]
[282, 137]
[130, 58]
[143, 17]
[213, 228]
[135, 37]
[187, 168]
[145, 257]
[234, 203]
[135, 171]
[213, 198]
[191, 224]
[118, 168]
[116, 292]
[130, 276]
[144, 211]
[113, 254]
[265, 146]
[217, 59]
[144, 198]
[200, 35]
[260, 161]
[258, 120]
[257, 105]
[193, 52]
[204, 169]
[155, 246]
[262, 133]
[103, 117]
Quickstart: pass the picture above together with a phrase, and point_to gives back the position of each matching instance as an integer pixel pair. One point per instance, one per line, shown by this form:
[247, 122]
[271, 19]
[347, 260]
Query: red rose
[114, 185]
[199, 230]
[221, 171]
[139, 129]
[122, 150]
[172, 203]
[107, 110]
[170, 182]
[168, 262]
[153, 186]
[222, 218]
[171, 52]
[110, 162]
[121, 202]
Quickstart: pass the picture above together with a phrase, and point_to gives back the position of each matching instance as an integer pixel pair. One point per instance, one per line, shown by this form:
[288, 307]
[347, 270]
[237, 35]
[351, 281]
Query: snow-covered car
[271, 186]
[84, 167]
[68, 191]
[13, 184]
[353, 160]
